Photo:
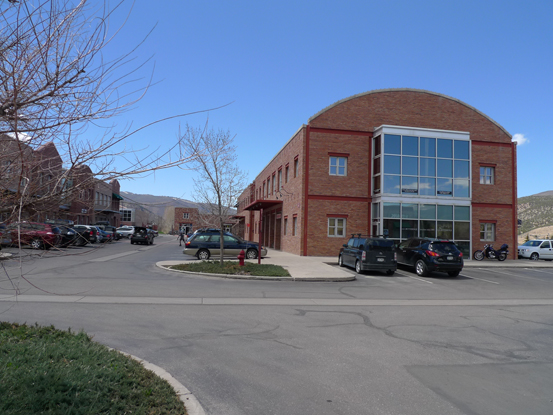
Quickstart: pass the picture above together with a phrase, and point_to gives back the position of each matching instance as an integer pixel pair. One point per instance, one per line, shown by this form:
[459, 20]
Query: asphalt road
[476, 344]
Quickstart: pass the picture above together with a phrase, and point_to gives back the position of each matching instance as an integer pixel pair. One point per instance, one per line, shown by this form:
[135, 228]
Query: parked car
[85, 234]
[125, 231]
[68, 236]
[103, 236]
[203, 244]
[5, 238]
[92, 235]
[369, 254]
[536, 249]
[427, 255]
[142, 235]
[113, 231]
[37, 235]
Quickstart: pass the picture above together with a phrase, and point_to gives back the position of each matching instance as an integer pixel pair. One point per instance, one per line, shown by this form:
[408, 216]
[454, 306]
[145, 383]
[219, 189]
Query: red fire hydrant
[241, 257]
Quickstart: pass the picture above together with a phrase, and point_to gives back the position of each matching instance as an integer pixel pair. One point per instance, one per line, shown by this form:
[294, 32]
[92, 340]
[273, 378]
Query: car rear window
[380, 244]
[444, 247]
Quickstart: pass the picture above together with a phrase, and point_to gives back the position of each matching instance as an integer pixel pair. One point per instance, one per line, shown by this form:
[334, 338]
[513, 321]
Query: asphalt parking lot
[479, 343]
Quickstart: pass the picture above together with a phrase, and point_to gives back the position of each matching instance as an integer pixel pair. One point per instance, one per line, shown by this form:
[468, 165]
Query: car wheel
[37, 244]
[535, 256]
[453, 273]
[420, 268]
[390, 272]
[203, 254]
[358, 267]
[251, 254]
[340, 261]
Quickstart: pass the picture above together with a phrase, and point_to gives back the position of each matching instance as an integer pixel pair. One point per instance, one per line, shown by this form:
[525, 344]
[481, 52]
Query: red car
[37, 235]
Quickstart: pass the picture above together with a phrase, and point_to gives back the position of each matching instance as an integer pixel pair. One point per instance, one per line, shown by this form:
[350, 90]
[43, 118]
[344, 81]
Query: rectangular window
[285, 225]
[338, 166]
[273, 185]
[263, 189]
[487, 175]
[294, 225]
[286, 174]
[487, 231]
[185, 215]
[296, 167]
[337, 227]
[280, 179]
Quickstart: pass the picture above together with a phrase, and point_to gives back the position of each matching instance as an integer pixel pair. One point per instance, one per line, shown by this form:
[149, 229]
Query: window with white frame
[487, 175]
[336, 227]
[487, 231]
[280, 179]
[185, 215]
[338, 166]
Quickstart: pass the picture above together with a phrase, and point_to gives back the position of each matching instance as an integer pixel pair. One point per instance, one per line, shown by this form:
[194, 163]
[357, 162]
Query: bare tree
[54, 84]
[220, 181]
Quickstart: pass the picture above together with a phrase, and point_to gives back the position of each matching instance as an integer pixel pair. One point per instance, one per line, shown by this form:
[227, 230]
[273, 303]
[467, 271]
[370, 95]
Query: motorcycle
[488, 252]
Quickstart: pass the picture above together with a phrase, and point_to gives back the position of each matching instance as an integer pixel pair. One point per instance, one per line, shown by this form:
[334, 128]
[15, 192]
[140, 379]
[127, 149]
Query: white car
[126, 231]
[536, 249]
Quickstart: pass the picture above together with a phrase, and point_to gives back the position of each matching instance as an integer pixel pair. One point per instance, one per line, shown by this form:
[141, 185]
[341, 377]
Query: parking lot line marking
[108, 258]
[480, 279]
[537, 270]
[509, 274]
[420, 279]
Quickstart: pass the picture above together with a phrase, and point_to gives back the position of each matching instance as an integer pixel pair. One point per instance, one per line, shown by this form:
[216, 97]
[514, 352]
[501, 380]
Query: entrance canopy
[263, 204]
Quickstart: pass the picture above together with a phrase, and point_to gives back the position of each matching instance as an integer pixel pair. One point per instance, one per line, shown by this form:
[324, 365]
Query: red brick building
[401, 162]
[189, 219]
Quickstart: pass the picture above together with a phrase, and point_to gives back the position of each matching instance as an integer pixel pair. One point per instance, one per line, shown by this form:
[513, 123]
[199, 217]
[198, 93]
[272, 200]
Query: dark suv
[428, 255]
[369, 254]
[142, 235]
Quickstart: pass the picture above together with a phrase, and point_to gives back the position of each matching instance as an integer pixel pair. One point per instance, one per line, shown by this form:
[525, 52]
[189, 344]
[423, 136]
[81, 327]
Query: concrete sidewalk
[307, 268]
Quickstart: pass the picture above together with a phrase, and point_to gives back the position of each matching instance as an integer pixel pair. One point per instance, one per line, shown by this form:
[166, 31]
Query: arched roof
[422, 91]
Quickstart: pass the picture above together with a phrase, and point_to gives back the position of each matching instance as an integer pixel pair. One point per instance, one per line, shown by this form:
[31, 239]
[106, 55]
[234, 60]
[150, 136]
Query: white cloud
[22, 137]
[520, 139]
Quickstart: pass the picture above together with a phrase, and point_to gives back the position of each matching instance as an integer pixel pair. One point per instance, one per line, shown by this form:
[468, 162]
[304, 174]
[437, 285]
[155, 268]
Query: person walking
[181, 236]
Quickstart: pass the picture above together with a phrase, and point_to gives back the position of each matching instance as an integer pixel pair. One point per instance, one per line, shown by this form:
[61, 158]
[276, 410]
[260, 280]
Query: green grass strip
[233, 268]
[49, 371]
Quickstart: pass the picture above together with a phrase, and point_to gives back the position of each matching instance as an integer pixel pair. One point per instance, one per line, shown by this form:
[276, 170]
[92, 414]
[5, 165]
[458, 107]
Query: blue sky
[279, 63]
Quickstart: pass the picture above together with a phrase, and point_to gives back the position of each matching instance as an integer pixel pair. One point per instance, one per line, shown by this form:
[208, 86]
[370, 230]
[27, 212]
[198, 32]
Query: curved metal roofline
[423, 91]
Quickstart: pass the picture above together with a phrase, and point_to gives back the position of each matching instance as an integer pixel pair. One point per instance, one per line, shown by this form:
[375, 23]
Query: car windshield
[532, 243]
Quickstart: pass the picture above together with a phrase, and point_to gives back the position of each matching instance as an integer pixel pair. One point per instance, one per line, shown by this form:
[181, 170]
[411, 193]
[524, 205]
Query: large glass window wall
[423, 166]
[406, 220]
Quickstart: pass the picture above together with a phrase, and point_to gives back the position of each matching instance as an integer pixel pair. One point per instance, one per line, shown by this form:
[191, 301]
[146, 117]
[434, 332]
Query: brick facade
[345, 129]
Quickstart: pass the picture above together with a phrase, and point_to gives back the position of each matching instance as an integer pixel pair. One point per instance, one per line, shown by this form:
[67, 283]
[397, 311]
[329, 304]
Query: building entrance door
[278, 231]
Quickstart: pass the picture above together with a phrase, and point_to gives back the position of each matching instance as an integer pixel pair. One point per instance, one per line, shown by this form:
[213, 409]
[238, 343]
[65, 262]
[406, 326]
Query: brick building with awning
[401, 162]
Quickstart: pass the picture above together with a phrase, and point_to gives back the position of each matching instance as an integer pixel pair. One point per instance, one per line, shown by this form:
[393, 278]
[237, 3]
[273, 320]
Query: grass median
[233, 268]
[49, 371]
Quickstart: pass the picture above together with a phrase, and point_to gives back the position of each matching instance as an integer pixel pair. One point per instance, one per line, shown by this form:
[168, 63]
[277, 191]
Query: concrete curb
[164, 265]
[190, 402]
